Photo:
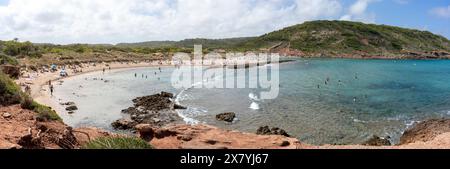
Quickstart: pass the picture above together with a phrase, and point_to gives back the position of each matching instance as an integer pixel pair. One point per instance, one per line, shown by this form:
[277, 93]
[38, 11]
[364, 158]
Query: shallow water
[361, 98]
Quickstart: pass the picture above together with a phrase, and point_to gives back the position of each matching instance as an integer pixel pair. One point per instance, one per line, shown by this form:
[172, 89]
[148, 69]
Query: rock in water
[377, 141]
[123, 124]
[228, 117]
[166, 94]
[156, 110]
[265, 130]
[177, 107]
[68, 104]
[72, 108]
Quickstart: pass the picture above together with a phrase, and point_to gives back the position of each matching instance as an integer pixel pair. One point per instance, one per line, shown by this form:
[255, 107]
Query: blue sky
[413, 14]
[115, 21]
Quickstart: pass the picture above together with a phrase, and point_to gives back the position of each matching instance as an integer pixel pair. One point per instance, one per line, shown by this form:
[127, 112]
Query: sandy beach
[38, 82]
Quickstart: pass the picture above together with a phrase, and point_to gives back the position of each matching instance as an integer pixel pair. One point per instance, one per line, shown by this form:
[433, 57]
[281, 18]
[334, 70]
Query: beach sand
[38, 82]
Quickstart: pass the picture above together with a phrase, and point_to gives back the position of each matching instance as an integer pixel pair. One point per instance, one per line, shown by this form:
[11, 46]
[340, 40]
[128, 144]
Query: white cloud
[113, 21]
[358, 12]
[443, 12]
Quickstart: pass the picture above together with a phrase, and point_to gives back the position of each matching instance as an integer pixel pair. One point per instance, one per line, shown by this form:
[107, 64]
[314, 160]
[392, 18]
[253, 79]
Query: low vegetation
[9, 91]
[117, 143]
[8, 60]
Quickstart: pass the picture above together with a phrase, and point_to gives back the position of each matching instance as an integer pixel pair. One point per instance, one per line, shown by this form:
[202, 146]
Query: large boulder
[155, 102]
[166, 94]
[146, 131]
[72, 108]
[425, 131]
[156, 110]
[265, 130]
[227, 117]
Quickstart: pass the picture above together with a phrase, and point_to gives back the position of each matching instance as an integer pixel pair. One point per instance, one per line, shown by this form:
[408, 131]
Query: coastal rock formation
[209, 137]
[425, 131]
[68, 103]
[72, 108]
[377, 141]
[123, 124]
[22, 130]
[227, 117]
[156, 110]
[265, 130]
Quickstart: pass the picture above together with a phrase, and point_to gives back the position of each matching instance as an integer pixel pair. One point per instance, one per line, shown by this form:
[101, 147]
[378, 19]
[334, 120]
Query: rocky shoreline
[156, 110]
[154, 118]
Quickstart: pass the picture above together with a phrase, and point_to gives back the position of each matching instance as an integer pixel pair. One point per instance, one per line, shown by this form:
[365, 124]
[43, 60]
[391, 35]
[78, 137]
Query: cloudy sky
[114, 21]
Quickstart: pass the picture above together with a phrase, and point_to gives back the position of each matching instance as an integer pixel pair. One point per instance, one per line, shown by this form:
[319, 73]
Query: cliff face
[20, 128]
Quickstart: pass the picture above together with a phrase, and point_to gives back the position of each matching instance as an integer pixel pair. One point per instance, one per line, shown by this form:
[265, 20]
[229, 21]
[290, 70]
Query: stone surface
[227, 117]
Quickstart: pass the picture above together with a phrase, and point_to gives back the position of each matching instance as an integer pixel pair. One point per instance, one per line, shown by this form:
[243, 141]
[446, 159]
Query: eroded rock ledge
[425, 131]
[156, 110]
[210, 137]
[21, 129]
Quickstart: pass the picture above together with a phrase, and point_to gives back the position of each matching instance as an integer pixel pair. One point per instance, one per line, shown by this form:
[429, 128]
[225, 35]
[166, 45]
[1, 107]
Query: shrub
[27, 102]
[15, 48]
[117, 143]
[4, 59]
[9, 91]
[45, 112]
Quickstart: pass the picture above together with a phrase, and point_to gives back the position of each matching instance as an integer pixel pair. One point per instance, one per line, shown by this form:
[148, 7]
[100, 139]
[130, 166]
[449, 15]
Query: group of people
[145, 76]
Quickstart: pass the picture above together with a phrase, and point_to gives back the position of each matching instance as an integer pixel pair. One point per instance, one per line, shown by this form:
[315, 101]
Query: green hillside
[344, 37]
[189, 43]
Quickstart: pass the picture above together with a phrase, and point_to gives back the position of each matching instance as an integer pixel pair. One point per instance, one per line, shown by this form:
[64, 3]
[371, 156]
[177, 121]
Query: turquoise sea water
[361, 98]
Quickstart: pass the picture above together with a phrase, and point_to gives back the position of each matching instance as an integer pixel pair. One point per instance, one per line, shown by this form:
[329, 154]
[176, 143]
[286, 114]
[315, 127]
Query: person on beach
[135, 74]
[51, 90]
[103, 70]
